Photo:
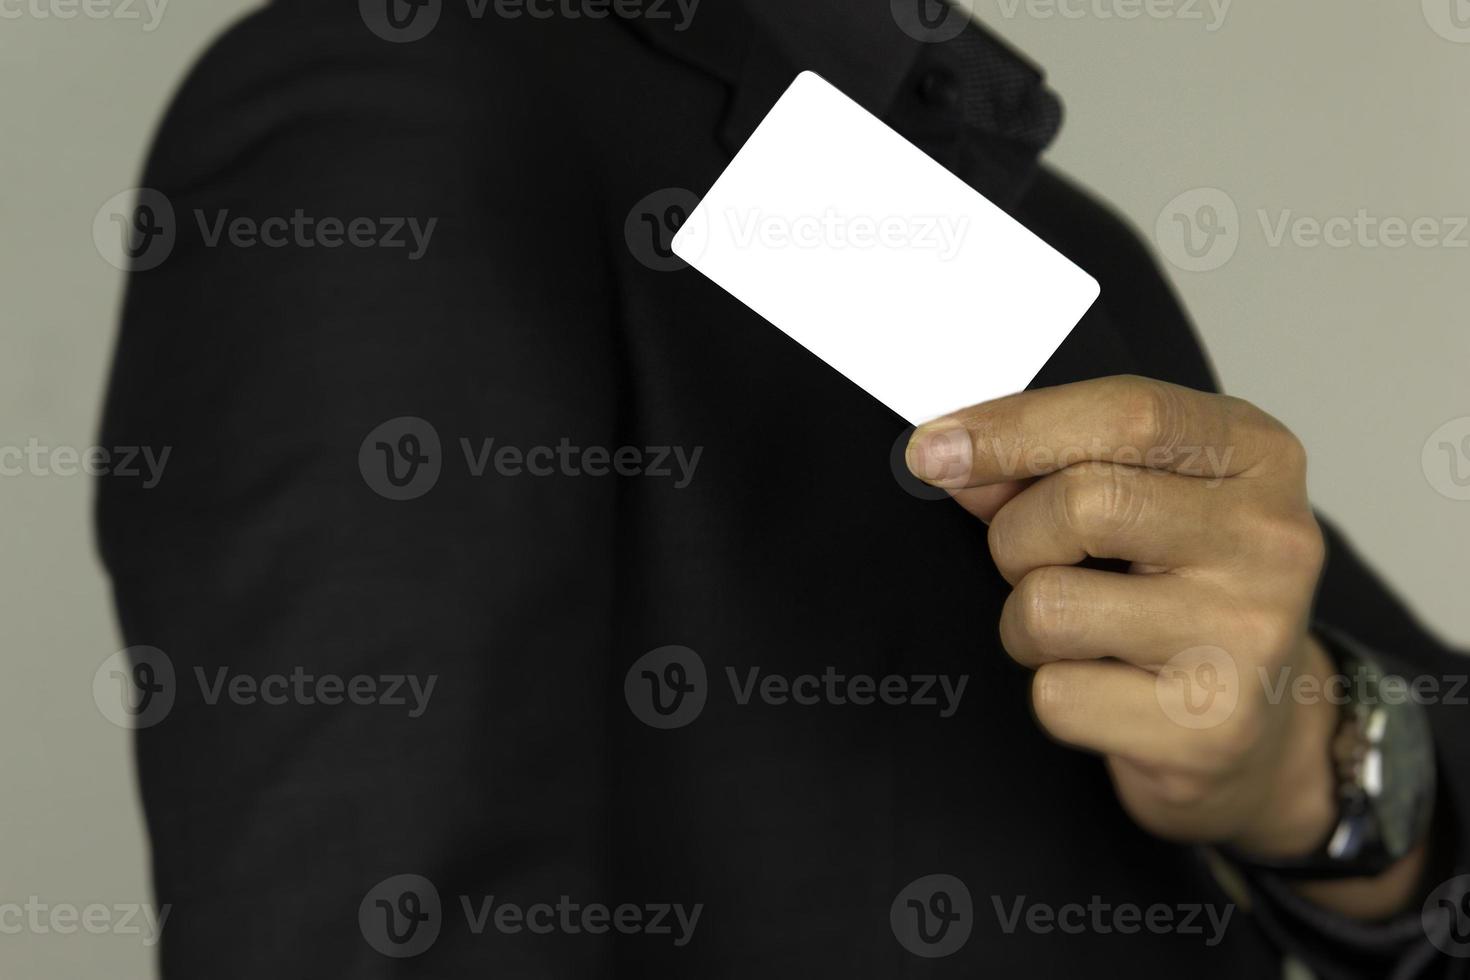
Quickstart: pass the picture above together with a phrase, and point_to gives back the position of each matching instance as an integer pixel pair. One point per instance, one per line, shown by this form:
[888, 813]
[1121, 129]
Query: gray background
[1319, 107]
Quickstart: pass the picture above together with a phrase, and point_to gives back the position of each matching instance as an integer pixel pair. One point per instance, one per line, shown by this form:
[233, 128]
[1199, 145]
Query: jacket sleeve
[1351, 599]
[359, 617]
[1428, 940]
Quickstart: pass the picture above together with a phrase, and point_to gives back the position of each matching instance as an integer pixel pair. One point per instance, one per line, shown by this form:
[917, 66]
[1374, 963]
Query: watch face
[1405, 764]
[1385, 765]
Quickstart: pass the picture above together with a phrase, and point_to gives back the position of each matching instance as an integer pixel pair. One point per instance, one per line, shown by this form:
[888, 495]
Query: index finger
[1123, 419]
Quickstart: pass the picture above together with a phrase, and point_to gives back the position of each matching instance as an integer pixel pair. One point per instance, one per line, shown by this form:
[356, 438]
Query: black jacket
[537, 317]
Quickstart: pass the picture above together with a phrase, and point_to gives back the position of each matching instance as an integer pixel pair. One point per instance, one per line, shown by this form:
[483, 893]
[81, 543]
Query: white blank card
[878, 260]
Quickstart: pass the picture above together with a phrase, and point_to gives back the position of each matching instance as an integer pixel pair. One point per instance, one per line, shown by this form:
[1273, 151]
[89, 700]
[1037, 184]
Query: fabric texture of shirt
[545, 312]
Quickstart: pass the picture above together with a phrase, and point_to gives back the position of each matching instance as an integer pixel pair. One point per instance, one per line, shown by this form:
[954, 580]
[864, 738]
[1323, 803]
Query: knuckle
[1101, 500]
[1042, 607]
[1290, 452]
[1152, 414]
[1292, 542]
[1248, 413]
[1280, 445]
[1077, 503]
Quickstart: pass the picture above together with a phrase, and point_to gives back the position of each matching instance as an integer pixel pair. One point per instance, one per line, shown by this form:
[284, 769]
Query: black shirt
[538, 317]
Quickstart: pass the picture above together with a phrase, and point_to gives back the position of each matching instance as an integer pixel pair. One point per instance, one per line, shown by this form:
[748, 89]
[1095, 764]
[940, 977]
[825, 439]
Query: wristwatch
[1383, 755]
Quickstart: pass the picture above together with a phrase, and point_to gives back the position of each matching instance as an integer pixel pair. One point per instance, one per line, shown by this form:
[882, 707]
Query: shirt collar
[992, 111]
[855, 44]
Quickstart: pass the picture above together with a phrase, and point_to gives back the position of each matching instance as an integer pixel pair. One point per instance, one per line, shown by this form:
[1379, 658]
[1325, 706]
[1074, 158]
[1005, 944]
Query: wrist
[1382, 768]
[1299, 805]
